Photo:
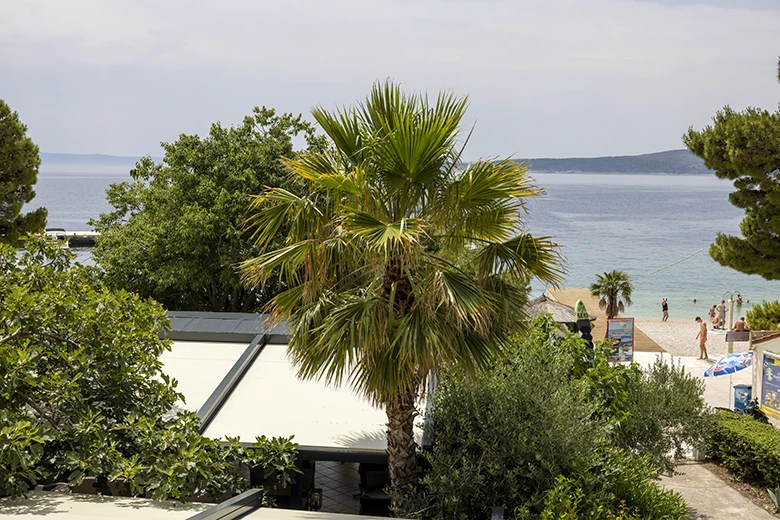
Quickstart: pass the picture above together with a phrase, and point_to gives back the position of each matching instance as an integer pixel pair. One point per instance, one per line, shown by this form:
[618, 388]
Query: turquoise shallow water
[641, 223]
[636, 223]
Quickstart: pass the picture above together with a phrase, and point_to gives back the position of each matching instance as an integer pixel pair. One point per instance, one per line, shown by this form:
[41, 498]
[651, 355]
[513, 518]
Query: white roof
[199, 367]
[92, 507]
[270, 400]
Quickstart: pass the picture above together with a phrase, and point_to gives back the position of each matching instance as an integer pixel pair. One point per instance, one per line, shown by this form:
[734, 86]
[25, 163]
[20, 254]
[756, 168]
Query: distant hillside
[669, 162]
[87, 163]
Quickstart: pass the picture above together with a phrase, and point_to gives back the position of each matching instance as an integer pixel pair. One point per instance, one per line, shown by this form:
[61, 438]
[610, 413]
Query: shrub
[538, 434]
[621, 488]
[655, 412]
[747, 448]
[764, 316]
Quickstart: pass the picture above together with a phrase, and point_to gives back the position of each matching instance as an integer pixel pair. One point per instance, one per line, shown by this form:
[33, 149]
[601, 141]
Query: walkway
[709, 498]
[642, 343]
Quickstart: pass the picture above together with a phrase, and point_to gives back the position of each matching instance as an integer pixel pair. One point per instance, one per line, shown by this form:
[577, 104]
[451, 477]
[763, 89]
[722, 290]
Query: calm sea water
[635, 223]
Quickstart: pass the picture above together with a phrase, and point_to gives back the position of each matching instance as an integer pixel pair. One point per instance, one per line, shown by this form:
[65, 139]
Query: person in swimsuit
[741, 325]
[702, 337]
[665, 308]
[722, 314]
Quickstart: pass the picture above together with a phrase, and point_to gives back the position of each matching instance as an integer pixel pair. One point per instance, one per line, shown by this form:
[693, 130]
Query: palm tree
[614, 291]
[373, 257]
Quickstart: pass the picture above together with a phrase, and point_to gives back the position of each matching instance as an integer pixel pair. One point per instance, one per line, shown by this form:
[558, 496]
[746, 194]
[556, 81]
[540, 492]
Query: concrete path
[708, 497]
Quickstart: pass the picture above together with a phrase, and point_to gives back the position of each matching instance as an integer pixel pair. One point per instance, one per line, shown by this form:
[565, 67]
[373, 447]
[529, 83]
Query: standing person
[665, 308]
[712, 313]
[702, 337]
[722, 314]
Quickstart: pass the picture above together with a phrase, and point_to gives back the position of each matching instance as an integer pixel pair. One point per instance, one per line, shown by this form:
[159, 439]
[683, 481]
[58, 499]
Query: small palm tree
[378, 295]
[614, 292]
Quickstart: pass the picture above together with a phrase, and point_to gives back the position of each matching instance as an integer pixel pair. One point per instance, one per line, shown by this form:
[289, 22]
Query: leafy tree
[745, 147]
[555, 428]
[178, 229]
[764, 316]
[82, 393]
[19, 162]
[376, 295]
[614, 292]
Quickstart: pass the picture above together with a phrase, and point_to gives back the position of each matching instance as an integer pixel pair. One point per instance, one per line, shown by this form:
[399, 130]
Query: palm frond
[520, 256]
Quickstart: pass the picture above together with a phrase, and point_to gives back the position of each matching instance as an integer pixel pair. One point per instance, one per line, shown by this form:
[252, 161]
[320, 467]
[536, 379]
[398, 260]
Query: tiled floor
[340, 483]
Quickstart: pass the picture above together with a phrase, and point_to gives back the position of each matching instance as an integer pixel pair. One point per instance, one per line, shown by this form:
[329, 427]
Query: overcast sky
[546, 78]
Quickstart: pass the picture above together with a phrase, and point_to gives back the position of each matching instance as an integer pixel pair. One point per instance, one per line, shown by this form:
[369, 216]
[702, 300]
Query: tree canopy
[745, 147]
[614, 290]
[372, 251]
[19, 162]
[177, 231]
[82, 392]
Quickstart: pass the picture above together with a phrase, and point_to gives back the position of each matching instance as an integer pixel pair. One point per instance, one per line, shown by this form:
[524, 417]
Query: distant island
[88, 163]
[669, 162]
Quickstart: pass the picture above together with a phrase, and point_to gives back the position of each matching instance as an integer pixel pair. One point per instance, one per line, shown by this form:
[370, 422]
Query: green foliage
[656, 412]
[774, 495]
[82, 393]
[622, 487]
[764, 316]
[745, 147]
[554, 431]
[747, 448]
[372, 254]
[178, 230]
[19, 162]
[614, 291]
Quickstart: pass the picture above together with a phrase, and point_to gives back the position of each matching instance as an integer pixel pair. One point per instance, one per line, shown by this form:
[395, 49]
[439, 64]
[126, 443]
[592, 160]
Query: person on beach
[713, 313]
[741, 325]
[722, 314]
[665, 309]
[702, 337]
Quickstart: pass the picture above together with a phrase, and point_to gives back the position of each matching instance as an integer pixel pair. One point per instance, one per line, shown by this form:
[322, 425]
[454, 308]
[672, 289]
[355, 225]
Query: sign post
[620, 332]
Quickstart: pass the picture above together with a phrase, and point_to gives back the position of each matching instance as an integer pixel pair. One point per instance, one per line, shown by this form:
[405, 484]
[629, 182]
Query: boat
[59, 236]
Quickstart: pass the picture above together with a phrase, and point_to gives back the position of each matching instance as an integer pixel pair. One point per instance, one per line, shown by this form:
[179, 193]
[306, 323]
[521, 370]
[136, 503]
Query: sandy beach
[679, 338]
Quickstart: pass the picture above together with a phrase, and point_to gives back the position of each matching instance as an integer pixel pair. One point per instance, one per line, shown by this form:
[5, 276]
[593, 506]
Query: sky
[545, 78]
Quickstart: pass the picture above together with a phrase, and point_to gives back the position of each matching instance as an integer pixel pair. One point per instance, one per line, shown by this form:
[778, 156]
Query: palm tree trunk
[401, 448]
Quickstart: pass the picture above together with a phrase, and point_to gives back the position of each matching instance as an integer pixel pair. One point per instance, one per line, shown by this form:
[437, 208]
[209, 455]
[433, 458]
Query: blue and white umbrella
[729, 364]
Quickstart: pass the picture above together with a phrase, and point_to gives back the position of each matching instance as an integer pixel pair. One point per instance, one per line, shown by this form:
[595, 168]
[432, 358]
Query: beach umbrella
[729, 364]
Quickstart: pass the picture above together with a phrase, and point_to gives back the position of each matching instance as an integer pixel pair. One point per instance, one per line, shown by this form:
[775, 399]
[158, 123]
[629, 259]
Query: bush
[537, 436]
[764, 316]
[747, 448]
[82, 393]
[621, 488]
[656, 412]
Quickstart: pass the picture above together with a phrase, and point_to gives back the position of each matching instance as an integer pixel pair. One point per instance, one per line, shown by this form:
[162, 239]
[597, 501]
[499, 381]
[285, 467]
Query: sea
[657, 228]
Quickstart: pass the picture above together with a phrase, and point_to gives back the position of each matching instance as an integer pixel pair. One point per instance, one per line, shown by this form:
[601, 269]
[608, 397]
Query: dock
[569, 296]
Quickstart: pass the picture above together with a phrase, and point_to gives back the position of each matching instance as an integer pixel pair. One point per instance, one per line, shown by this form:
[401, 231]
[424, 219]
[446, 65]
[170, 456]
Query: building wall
[771, 348]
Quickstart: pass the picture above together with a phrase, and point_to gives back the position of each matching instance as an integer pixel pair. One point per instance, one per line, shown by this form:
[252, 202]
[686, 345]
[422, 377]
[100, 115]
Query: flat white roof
[199, 367]
[270, 400]
[68, 506]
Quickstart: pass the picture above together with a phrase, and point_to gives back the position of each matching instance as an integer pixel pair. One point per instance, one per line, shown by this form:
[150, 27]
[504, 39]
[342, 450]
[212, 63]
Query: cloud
[557, 77]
